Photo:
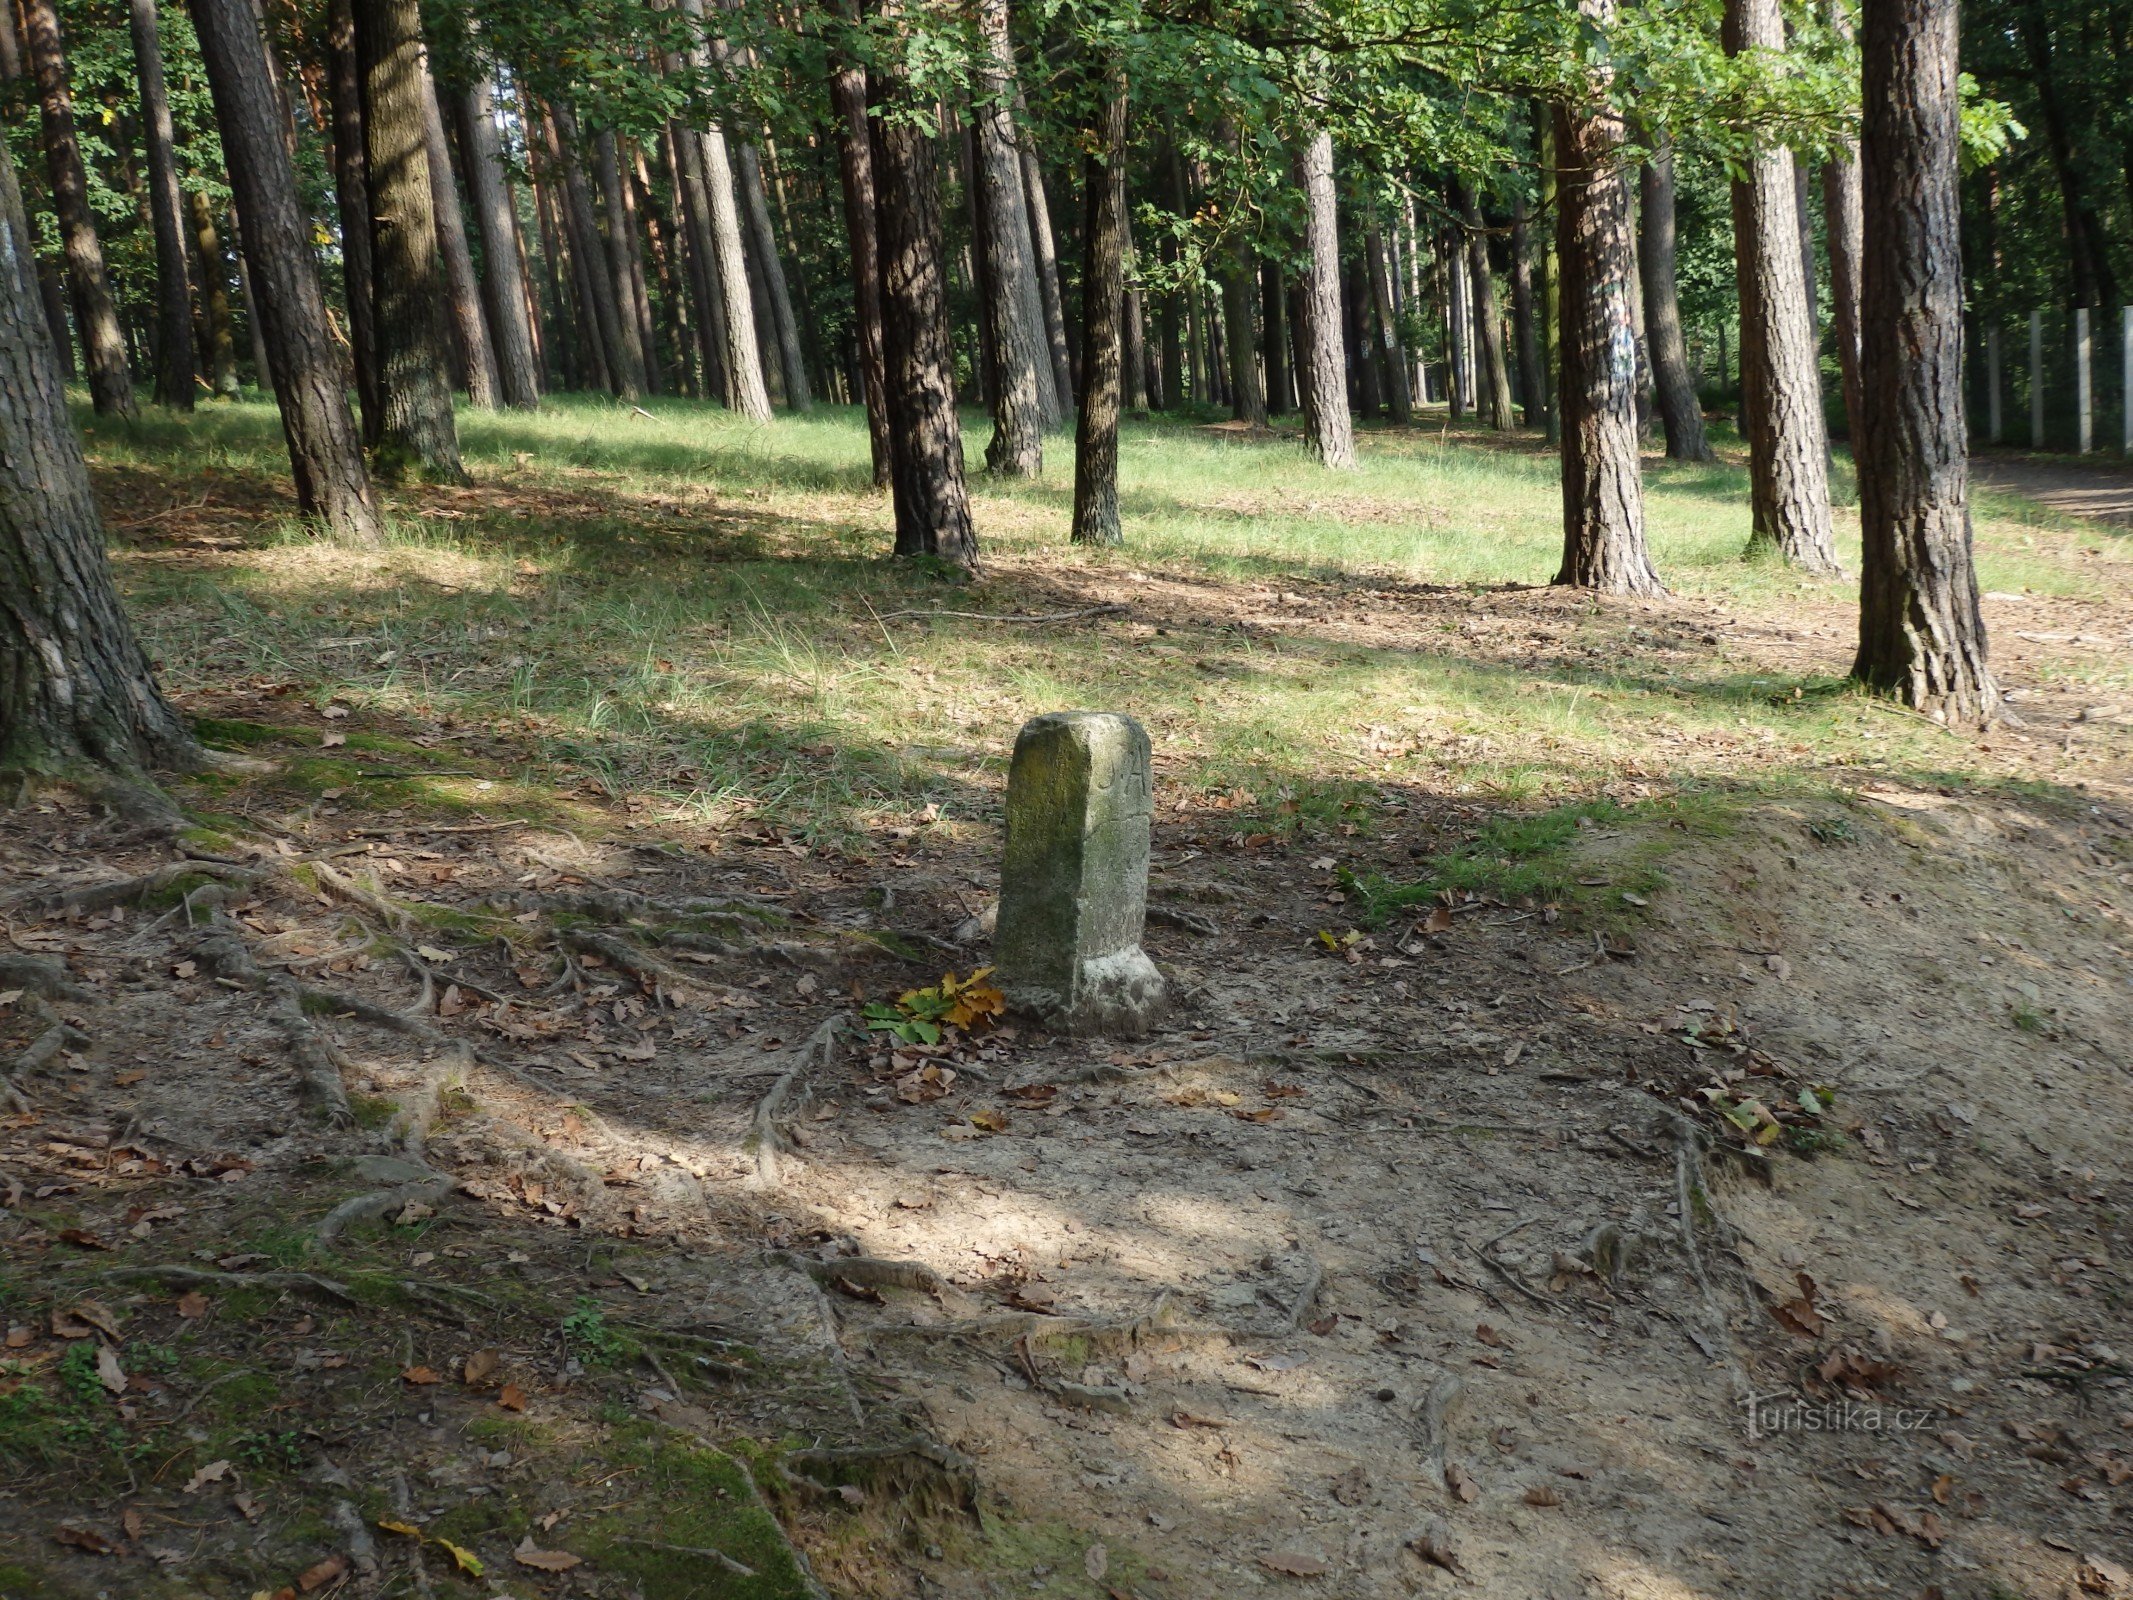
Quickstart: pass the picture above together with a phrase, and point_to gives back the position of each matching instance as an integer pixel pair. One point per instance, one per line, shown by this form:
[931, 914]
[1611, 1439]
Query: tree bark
[855, 173]
[792, 360]
[95, 311]
[502, 283]
[351, 190]
[746, 391]
[1391, 351]
[687, 148]
[76, 688]
[629, 348]
[1024, 393]
[1495, 373]
[1045, 244]
[1921, 637]
[174, 303]
[1103, 292]
[477, 358]
[1603, 494]
[416, 431]
[1525, 321]
[2087, 247]
[1680, 410]
[1322, 370]
[925, 434]
[324, 451]
[1844, 221]
[1781, 389]
[588, 258]
[218, 349]
[1273, 315]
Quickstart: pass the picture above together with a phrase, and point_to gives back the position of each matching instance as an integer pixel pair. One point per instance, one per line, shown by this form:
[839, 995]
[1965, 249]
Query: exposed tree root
[176, 1277]
[318, 1069]
[717, 1558]
[1100, 1336]
[37, 976]
[123, 891]
[767, 1139]
[1433, 1422]
[919, 1470]
[867, 1272]
[343, 887]
[378, 1202]
[1689, 1188]
[625, 905]
[1306, 1298]
[1190, 921]
[627, 958]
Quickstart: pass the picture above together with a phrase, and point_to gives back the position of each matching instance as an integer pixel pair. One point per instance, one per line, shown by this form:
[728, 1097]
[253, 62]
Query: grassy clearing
[689, 615]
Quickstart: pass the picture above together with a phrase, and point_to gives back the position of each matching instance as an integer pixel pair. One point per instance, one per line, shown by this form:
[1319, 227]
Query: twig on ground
[715, 1557]
[1001, 616]
[871, 1272]
[177, 1277]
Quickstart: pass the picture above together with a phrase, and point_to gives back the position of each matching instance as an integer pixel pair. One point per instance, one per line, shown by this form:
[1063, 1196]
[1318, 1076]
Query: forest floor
[451, 1166]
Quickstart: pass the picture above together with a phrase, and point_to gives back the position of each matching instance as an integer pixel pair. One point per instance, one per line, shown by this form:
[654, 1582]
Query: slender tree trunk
[324, 451]
[640, 232]
[351, 190]
[855, 173]
[575, 258]
[1025, 393]
[502, 280]
[255, 320]
[1273, 314]
[628, 346]
[2087, 247]
[1045, 244]
[1391, 352]
[219, 349]
[589, 260]
[1459, 384]
[1679, 408]
[95, 311]
[1525, 320]
[455, 255]
[1323, 370]
[789, 248]
[1135, 357]
[925, 434]
[1921, 637]
[687, 148]
[76, 688]
[777, 291]
[1495, 374]
[174, 313]
[1844, 220]
[416, 431]
[1781, 390]
[1603, 494]
[1103, 291]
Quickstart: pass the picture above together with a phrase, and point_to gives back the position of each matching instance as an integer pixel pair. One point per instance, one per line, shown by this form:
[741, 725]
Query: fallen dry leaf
[1462, 1486]
[422, 1375]
[1542, 1495]
[1096, 1561]
[108, 1371]
[466, 1560]
[511, 1397]
[192, 1304]
[321, 1574]
[87, 1539]
[545, 1560]
[481, 1366]
[213, 1472]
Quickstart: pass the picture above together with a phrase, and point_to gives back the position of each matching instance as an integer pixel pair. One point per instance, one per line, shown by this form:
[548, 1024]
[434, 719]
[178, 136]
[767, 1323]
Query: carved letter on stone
[1074, 885]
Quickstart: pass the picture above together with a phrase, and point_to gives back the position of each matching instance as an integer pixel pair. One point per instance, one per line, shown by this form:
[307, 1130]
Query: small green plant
[923, 1016]
[77, 1373]
[2028, 1018]
[269, 1451]
[1831, 830]
[585, 1329]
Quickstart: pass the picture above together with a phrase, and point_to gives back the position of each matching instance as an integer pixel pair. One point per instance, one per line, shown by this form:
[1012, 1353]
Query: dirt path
[2100, 492]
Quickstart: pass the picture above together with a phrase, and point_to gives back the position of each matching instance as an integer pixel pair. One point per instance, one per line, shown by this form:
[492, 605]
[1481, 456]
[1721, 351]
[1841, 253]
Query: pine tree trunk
[1781, 389]
[1459, 385]
[76, 688]
[1323, 371]
[1844, 221]
[1921, 637]
[416, 431]
[1240, 288]
[255, 321]
[502, 282]
[638, 233]
[1044, 243]
[1391, 351]
[1273, 315]
[777, 291]
[1360, 348]
[218, 349]
[1525, 320]
[1103, 294]
[95, 311]
[1679, 408]
[1024, 393]
[855, 173]
[456, 257]
[1603, 494]
[748, 393]
[324, 452]
[174, 302]
[687, 158]
[2087, 247]
[789, 249]
[628, 345]
[598, 297]
[1490, 364]
[351, 190]
[925, 435]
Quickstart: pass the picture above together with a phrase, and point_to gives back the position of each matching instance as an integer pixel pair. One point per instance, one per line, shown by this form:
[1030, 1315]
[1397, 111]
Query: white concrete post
[2084, 396]
[2036, 380]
